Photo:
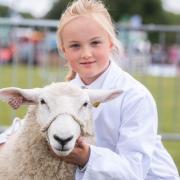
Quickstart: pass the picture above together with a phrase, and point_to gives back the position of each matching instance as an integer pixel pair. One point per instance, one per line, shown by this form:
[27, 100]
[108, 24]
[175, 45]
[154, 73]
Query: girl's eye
[74, 46]
[94, 43]
[42, 101]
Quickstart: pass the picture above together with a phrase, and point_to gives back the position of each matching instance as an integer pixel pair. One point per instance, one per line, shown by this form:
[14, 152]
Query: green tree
[57, 9]
[151, 11]
[4, 11]
[26, 15]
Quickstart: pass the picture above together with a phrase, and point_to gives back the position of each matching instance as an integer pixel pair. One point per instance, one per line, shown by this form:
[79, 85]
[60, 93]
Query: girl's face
[86, 46]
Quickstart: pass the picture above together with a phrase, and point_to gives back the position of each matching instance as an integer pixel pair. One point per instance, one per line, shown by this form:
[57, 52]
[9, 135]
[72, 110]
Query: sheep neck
[39, 154]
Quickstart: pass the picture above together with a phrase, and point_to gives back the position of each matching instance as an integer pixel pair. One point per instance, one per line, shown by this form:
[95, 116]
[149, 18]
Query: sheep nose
[62, 141]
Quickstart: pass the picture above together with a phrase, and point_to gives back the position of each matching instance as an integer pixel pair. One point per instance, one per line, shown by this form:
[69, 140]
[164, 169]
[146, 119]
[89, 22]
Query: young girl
[127, 147]
[127, 144]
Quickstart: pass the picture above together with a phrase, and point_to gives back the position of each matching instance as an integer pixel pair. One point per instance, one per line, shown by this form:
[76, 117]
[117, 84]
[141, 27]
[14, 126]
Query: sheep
[58, 114]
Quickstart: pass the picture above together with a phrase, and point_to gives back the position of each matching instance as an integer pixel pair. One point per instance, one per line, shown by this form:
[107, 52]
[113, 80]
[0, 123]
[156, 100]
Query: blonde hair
[94, 9]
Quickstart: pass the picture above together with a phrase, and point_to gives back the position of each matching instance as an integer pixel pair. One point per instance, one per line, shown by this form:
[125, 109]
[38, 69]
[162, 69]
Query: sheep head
[63, 111]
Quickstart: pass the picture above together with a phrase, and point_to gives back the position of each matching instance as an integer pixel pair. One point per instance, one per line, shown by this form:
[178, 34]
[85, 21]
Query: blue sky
[39, 7]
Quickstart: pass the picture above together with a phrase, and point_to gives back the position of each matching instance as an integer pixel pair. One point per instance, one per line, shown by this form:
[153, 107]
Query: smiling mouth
[86, 63]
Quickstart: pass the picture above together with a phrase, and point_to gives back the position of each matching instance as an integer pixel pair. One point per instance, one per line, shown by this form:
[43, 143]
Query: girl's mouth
[87, 63]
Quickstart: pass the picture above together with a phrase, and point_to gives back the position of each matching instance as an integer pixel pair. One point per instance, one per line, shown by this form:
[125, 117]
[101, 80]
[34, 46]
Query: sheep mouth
[61, 149]
[62, 152]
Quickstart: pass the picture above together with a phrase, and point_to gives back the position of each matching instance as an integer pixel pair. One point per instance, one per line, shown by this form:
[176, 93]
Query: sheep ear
[15, 97]
[101, 96]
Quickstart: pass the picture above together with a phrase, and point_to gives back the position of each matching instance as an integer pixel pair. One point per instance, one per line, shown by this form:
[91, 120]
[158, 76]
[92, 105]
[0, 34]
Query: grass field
[166, 92]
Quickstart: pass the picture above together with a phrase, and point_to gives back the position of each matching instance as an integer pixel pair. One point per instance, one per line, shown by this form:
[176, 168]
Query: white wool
[63, 112]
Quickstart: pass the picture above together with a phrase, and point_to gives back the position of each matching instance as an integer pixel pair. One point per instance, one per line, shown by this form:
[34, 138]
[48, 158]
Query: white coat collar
[102, 82]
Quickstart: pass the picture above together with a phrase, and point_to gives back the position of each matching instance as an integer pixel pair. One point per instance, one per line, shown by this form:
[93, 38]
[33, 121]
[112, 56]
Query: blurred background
[148, 30]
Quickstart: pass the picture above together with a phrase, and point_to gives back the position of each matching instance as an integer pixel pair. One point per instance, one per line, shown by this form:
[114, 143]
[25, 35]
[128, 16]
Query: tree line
[151, 11]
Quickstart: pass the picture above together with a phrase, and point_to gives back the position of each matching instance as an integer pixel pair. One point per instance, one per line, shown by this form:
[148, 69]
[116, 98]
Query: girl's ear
[111, 44]
[101, 96]
[62, 48]
[15, 97]
[63, 52]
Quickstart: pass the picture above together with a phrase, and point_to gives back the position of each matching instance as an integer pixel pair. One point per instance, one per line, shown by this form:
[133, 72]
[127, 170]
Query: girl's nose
[86, 52]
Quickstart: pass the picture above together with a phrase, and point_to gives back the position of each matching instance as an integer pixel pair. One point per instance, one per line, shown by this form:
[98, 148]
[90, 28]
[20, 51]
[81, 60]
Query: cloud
[172, 6]
[35, 7]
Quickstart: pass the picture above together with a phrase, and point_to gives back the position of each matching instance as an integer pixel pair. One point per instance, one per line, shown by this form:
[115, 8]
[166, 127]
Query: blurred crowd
[35, 47]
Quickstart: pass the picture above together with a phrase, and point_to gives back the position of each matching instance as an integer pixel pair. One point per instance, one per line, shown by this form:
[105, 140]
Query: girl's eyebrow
[70, 42]
[92, 39]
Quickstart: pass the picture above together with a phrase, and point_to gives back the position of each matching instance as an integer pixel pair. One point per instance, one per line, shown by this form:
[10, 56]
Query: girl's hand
[80, 155]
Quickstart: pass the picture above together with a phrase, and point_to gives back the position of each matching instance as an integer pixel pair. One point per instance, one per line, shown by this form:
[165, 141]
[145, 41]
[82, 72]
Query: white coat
[128, 147]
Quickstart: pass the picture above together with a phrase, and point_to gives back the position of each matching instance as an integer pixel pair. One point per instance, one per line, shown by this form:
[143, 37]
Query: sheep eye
[85, 104]
[42, 101]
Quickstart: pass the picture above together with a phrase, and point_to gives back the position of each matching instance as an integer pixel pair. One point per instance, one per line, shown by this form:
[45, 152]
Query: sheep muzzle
[46, 127]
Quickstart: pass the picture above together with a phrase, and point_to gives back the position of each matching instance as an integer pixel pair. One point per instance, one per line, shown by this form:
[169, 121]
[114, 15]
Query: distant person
[128, 147]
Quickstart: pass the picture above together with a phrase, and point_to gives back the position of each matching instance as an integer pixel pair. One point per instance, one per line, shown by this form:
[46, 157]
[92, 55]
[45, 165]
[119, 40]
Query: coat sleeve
[131, 158]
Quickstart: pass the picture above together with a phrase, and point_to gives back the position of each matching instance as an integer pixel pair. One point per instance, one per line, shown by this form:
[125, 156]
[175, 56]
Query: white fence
[150, 50]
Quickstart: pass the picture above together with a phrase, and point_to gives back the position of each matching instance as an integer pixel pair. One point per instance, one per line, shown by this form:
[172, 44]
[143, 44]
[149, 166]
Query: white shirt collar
[97, 84]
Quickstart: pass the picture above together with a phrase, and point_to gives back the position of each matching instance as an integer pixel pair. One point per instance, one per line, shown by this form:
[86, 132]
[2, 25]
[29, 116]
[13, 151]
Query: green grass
[25, 77]
[166, 92]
